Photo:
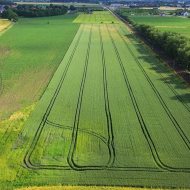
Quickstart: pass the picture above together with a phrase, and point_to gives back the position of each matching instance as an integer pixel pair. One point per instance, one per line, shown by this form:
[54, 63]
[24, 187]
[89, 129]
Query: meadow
[112, 114]
[30, 52]
[166, 23]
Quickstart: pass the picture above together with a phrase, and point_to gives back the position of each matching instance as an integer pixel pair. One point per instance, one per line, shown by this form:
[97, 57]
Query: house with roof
[185, 13]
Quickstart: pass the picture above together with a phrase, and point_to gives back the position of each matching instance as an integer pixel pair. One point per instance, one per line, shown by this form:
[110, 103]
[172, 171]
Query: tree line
[8, 13]
[173, 45]
[40, 11]
[12, 13]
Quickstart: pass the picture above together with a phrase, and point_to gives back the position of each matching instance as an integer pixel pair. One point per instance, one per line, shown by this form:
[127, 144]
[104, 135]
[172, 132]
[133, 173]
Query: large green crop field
[30, 52]
[168, 23]
[113, 114]
[96, 17]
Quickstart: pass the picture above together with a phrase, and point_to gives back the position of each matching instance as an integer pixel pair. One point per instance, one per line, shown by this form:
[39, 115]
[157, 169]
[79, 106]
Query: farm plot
[29, 61]
[96, 17]
[169, 23]
[111, 115]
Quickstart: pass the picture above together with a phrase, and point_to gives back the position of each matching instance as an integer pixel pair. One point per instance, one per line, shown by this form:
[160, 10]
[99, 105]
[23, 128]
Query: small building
[185, 13]
[162, 14]
[115, 6]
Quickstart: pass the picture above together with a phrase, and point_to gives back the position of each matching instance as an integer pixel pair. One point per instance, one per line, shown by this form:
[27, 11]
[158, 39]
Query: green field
[168, 23]
[96, 17]
[30, 52]
[113, 114]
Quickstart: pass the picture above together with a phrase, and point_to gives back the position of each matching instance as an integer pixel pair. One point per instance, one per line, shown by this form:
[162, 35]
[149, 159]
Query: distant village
[180, 8]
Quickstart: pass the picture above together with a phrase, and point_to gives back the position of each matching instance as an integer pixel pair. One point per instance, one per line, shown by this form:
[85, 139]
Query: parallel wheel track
[27, 158]
[164, 105]
[169, 85]
[110, 142]
[146, 133]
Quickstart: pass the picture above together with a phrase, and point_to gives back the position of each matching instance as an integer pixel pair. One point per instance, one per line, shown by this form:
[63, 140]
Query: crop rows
[106, 139]
[144, 129]
[96, 17]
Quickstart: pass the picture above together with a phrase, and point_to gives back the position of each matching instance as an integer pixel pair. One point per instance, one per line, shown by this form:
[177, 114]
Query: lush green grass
[169, 23]
[112, 114]
[29, 54]
[96, 17]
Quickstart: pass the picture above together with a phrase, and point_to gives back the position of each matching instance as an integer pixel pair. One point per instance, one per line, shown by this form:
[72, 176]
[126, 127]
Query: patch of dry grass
[169, 8]
[4, 24]
[24, 90]
[9, 130]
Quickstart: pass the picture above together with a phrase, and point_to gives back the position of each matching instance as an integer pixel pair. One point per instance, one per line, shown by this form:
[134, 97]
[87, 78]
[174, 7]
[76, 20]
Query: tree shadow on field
[185, 97]
[149, 59]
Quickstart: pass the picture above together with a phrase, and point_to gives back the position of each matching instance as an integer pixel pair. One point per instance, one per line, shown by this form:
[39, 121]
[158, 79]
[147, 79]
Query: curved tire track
[99, 136]
[27, 157]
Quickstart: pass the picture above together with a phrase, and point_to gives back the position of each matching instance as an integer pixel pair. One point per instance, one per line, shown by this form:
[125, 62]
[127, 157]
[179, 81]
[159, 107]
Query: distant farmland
[168, 23]
[112, 114]
[100, 17]
[30, 52]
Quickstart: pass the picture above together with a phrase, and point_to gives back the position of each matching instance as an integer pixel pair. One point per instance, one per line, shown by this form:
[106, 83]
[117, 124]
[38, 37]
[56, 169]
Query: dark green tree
[10, 14]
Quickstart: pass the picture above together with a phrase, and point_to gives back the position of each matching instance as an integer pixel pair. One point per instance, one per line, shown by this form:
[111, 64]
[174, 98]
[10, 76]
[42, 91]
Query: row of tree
[173, 45]
[12, 13]
[8, 13]
[39, 11]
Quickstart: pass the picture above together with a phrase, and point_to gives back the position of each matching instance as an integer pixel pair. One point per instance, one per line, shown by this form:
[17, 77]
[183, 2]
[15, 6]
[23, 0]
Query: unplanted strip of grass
[87, 188]
[4, 25]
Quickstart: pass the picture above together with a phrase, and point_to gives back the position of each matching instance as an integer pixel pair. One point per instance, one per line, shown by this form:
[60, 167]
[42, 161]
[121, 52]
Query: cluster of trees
[125, 17]
[72, 8]
[8, 13]
[173, 45]
[32, 11]
[39, 11]
[180, 12]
